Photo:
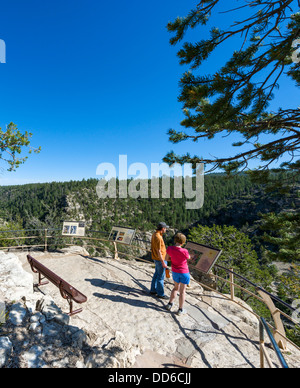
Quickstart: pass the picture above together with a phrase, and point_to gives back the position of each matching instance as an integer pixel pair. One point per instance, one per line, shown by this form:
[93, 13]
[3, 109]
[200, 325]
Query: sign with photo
[203, 257]
[122, 235]
[72, 228]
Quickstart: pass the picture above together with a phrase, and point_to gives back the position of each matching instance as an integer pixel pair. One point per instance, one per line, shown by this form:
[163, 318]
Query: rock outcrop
[121, 324]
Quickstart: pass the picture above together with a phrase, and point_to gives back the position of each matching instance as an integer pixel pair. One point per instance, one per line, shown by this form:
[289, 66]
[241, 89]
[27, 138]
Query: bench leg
[40, 283]
[74, 312]
[71, 313]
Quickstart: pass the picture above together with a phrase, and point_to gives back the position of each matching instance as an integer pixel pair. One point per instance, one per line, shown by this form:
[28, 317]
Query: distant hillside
[244, 211]
[48, 204]
[233, 201]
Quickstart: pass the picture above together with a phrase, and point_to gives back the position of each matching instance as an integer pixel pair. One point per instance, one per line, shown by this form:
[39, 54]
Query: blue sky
[93, 80]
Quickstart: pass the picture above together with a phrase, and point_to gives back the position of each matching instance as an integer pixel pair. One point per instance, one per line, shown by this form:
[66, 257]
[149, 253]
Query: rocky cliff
[121, 324]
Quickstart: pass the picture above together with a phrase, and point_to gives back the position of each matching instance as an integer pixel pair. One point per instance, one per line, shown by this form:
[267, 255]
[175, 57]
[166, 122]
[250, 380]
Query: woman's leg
[182, 289]
[174, 292]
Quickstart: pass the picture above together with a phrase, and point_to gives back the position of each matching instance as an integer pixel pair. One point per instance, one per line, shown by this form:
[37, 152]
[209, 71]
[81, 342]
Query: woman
[180, 271]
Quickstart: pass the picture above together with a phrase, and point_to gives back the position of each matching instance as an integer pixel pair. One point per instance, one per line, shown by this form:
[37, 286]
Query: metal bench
[67, 291]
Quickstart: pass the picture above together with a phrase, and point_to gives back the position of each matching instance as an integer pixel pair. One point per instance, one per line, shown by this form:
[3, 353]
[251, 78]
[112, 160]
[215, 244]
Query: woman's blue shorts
[183, 278]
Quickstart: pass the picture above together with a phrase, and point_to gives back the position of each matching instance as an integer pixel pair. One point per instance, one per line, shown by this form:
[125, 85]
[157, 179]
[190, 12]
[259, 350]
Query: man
[159, 252]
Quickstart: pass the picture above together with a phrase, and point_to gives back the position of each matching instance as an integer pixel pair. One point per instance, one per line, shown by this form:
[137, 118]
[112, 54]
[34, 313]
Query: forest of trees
[48, 204]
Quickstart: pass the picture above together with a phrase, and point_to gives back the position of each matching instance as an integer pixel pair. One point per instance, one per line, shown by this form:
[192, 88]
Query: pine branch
[235, 99]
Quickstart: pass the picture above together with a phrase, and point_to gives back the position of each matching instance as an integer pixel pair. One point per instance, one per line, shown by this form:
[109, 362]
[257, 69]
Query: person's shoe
[180, 312]
[153, 293]
[169, 306]
[163, 297]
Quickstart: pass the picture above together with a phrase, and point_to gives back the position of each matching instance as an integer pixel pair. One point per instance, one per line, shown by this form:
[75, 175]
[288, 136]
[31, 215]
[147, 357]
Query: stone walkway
[214, 332]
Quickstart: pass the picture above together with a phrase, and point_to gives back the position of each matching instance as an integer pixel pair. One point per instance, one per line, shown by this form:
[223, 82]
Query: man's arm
[164, 265]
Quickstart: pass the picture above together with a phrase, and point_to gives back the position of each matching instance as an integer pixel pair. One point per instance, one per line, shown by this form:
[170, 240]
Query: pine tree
[283, 232]
[237, 253]
[12, 142]
[235, 99]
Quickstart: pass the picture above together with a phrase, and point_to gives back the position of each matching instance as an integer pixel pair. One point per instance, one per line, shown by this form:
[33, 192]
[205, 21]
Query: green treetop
[12, 142]
[235, 99]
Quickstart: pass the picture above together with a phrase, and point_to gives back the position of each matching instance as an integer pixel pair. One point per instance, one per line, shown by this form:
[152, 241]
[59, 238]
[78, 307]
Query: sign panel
[122, 235]
[72, 228]
[203, 257]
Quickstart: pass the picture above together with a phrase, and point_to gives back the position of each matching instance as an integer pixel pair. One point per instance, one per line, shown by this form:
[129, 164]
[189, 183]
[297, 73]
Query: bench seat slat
[71, 292]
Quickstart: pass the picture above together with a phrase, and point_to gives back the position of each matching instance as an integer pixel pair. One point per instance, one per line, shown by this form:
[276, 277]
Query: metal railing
[263, 326]
[265, 297]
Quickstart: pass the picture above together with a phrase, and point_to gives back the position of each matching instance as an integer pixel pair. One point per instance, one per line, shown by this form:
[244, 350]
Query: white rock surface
[14, 282]
[5, 350]
[17, 313]
[32, 357]
[121, 324]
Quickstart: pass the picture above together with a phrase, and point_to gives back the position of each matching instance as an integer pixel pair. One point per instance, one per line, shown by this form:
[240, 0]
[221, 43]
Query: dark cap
[162, 225]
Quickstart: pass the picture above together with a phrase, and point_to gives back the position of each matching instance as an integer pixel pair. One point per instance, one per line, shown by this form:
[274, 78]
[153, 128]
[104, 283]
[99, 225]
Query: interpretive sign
[203, 257]
[122, 235]
[72, 228]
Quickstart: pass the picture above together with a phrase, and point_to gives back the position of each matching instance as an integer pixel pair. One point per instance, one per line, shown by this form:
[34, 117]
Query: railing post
[232, 290]
[264, 326]
[261, 344]
[46, 232]
[277, 320]
[116, 251]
